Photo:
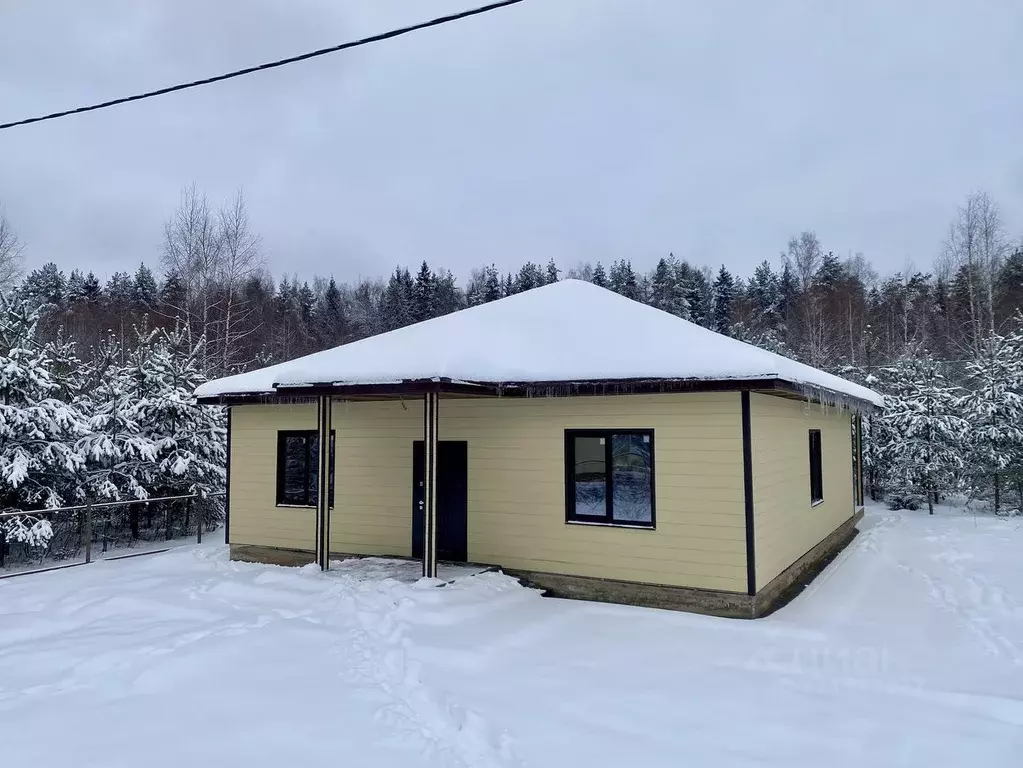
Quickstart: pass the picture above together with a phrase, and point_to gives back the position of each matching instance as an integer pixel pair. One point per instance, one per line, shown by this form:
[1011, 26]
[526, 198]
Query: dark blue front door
[452, 500]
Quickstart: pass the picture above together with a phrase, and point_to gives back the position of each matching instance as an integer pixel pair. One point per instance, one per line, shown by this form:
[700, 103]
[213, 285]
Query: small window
[816, 469]
[298, 470]
[609, 477]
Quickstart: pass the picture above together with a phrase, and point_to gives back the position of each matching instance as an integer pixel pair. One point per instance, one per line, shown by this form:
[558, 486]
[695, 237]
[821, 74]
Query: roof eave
[563, 388]
[768, 384]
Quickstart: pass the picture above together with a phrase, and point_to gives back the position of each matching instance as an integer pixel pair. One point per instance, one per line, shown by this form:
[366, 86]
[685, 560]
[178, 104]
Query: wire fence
[77, 535]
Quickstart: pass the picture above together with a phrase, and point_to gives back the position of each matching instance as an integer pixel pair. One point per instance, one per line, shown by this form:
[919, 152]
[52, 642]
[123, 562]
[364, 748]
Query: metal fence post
[198, 522]
[87, 533]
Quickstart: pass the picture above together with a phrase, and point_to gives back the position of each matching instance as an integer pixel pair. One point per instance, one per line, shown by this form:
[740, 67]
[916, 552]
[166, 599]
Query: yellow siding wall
[255, 518]
[516, 484]
[786, 525]
[373, 477]
[517, 487]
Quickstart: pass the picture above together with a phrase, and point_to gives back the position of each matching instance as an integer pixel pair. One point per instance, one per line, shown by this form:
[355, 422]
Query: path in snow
[907, 650]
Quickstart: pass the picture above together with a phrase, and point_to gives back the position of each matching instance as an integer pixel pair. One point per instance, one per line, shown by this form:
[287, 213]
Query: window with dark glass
[816, 469]
[610, 476]
[298, 469]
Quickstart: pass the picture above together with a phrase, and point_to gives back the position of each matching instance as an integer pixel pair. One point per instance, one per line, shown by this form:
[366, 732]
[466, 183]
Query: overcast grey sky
[578, 129]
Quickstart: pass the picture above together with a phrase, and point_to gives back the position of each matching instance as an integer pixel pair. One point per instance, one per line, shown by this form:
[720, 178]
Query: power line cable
[269, 65]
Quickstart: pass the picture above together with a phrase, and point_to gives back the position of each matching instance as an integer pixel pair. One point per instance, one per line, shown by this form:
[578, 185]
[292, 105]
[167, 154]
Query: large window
[610, 476]
[816, 470]
[298, 470]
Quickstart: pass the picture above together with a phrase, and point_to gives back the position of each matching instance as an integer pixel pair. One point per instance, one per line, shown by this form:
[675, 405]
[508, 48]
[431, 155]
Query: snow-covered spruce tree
[767, 338]
[700, 296]
[424, 294]
[926, 454]
[121, 457]
[667, 290]
[551, 273]
[191, 439]
[622, 279]
[994, 408]
[877, 432]
[530, 276]
[763, 295]
[491, 284]
[38, 457]
[66, 369]
[881, 434]
[724, 299]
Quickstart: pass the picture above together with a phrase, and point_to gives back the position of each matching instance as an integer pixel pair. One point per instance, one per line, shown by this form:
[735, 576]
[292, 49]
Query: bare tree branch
[11, 254]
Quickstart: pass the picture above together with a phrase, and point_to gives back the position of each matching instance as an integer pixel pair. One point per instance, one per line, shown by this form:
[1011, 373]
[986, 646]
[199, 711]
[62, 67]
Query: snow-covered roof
[569, 331]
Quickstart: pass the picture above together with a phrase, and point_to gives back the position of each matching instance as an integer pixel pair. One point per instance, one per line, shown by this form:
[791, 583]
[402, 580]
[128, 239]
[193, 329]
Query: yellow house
[592, 445]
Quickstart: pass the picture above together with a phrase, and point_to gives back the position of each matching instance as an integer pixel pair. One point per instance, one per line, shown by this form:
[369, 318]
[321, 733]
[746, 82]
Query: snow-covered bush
[901, 499]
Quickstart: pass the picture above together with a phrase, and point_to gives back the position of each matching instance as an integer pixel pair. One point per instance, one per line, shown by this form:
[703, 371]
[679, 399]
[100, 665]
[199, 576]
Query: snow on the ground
[908, 650]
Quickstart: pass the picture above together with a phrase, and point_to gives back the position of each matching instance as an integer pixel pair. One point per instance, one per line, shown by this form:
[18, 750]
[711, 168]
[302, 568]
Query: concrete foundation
[249, 553]
[707, 601]
[712, 602]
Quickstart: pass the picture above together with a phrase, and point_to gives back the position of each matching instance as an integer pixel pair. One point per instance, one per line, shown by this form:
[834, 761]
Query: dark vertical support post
[430, 424]
[323, 482]
[87, 533]
[747, 485]
[859, 459]
[227, 483]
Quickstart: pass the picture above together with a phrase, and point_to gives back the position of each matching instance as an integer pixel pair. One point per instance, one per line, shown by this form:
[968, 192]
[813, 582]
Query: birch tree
[806, 322]
[193, 250]
[975, 248]
[240, 259]
[11, 254]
